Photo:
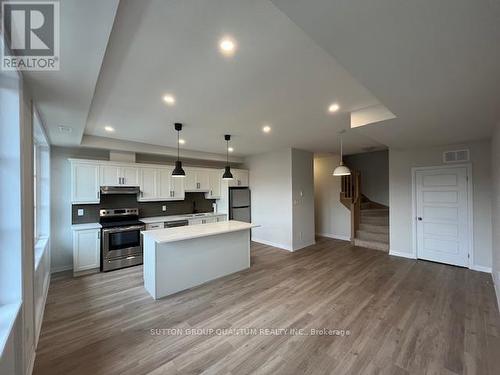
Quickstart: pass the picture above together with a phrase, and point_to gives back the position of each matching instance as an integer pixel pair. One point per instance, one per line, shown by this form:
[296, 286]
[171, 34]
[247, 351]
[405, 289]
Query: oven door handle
[124, 229]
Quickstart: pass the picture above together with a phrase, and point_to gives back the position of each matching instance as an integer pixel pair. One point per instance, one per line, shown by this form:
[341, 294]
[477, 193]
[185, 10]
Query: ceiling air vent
[456, 156]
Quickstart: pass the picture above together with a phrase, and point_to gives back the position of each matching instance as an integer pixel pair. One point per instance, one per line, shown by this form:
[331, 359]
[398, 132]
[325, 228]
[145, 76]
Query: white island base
[180, 258]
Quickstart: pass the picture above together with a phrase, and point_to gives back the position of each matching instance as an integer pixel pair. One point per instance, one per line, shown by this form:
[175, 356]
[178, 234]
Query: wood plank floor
[403, 316]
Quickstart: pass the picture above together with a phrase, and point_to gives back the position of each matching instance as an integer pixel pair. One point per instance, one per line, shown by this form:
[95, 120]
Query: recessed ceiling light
[227, 46]
[169, 99]
[266, 129]
[109, 129]
[333, 108]
[182, 141]
[230, 149]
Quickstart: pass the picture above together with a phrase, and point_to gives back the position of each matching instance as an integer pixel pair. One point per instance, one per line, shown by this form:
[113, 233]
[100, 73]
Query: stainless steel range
[121, 240]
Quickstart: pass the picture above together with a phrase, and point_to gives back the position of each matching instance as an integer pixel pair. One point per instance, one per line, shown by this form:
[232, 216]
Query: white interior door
[442, 215]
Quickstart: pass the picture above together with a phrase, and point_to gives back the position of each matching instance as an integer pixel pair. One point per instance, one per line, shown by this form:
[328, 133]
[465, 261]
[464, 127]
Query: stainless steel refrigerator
[239, 204]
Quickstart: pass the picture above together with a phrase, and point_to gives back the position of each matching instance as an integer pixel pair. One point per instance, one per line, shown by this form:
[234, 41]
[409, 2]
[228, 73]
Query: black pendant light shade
[178, 171]
[227, 171]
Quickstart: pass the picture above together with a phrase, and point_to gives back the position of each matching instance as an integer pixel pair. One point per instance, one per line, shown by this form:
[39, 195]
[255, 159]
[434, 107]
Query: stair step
[371, 236]
[375, 220]
[374, 228]
[372, 244]
[375, 212]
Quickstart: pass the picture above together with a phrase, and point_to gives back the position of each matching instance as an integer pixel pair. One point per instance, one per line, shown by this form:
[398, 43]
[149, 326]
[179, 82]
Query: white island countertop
[195, 231]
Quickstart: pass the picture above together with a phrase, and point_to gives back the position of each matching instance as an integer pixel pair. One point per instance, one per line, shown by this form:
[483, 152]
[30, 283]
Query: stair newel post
[356, 204]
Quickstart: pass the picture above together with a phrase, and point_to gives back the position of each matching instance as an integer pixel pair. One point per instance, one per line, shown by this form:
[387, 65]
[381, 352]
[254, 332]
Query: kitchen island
[179, 258]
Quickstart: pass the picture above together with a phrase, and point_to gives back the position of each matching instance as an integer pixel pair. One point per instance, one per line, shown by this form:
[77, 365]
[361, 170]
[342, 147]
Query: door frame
[470, 207]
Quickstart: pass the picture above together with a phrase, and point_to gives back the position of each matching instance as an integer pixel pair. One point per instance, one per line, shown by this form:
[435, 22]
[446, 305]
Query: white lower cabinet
[86, 249]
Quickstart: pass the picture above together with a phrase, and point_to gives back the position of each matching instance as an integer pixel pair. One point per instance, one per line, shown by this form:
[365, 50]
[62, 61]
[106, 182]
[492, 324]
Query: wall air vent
[456, 156]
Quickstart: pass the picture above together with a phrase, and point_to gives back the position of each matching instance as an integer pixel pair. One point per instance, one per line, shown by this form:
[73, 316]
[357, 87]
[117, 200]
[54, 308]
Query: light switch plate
[163, 208]
[80, 212]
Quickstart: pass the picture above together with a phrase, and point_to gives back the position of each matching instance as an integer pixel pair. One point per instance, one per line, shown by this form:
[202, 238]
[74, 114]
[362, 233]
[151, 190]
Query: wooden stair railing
[350, 196]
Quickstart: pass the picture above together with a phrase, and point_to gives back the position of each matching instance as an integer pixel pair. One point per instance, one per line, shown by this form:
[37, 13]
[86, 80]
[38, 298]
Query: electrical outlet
[80, 212]
[163, 208]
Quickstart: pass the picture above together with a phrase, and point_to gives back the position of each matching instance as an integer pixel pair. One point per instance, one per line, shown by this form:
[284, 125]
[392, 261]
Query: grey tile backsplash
[193, 203]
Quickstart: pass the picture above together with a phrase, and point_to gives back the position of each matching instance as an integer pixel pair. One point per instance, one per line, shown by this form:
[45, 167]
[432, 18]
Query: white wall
[271, 197]
[61, 235]
[331, 217]
[400, 195]
[303, 233]
[495, 168]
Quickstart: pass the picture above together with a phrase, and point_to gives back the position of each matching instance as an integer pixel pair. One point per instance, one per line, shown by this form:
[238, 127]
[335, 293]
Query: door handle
[419, 218]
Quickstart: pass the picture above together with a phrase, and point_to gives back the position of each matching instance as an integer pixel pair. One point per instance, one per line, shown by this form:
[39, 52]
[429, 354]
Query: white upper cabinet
[130, 176]
[148, 184]
[214, 184]
[84, 182]
[197, 179]
[240, 178]
[109, 175]
[117, 175]
[157, 184]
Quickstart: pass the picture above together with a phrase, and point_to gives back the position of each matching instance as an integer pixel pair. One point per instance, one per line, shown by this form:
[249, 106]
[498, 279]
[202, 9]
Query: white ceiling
[64, 97]
[435, 64]
[278, 76]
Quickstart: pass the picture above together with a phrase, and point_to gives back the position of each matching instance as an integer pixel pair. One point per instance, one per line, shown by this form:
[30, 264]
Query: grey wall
[332, 219]
[285, 217]
[374, 168]
[495, 168]
[302, 199]
[400, 195]
[271, 186]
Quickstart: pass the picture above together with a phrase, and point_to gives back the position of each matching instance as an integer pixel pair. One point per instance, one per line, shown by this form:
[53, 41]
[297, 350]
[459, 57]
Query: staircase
[373, 229]
[369, 220]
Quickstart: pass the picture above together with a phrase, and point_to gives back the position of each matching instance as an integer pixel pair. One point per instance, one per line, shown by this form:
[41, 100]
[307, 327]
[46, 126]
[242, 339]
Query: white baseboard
[60, 269]
[496, 280]
[273, 244]
[475, 267]
[401, 254]
[304, 246]
[335, 236]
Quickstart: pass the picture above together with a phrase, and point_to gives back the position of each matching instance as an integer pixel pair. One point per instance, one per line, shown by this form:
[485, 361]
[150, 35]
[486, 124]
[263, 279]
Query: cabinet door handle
[239, 182]
[99, 235]
[99, 195]
[211, 192]
[142, 194]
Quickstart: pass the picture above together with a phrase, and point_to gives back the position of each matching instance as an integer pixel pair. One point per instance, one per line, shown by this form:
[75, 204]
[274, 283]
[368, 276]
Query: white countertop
[195, 231]
[86, 226]
[162, 219]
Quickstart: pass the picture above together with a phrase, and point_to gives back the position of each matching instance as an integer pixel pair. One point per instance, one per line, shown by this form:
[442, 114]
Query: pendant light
[178, 171]
[341, 170]
[227, 171]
